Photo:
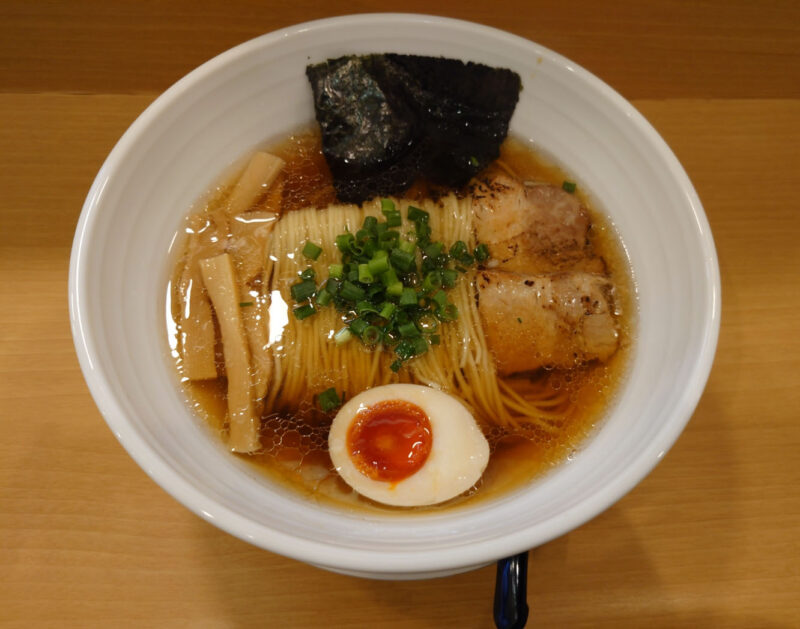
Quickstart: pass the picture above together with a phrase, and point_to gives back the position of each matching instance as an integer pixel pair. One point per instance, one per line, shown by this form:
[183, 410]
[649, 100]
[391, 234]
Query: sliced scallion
[351, 292]
[416, 214]
[371, 335]
[408, 330]
[303, 290]
[312, 251]
[364, 274]
[336, 271]
[481, 252]
[408, 297]
[403, 260]
[328, 400]
[342, 336]
[303, 312]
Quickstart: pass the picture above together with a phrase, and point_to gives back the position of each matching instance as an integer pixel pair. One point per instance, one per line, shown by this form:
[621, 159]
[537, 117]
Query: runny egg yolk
[389, 441]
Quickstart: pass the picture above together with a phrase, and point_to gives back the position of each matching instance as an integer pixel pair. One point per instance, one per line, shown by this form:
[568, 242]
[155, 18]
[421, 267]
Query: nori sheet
[388, 118]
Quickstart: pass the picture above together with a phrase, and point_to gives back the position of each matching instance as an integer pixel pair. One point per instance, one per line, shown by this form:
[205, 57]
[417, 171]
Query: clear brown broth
[294, 450]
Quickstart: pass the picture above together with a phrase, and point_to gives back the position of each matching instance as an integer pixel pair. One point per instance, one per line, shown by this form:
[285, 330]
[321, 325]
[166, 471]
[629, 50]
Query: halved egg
[407, 445]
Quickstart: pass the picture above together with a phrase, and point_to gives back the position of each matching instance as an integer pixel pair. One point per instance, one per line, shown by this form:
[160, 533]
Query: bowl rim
[342, 557]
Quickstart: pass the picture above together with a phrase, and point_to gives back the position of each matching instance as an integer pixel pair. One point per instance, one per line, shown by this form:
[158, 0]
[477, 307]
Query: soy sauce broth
[294, 450]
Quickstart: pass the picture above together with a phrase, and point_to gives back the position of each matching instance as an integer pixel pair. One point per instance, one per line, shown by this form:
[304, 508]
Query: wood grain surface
[709, 539]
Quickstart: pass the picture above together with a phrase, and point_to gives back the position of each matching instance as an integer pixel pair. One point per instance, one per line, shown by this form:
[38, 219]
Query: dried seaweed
[388, 118]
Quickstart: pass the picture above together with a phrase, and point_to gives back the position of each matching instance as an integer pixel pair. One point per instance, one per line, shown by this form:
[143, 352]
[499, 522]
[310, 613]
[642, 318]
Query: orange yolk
[390, 440]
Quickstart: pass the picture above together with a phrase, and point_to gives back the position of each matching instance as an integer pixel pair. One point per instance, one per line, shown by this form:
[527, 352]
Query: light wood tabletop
[711, 538]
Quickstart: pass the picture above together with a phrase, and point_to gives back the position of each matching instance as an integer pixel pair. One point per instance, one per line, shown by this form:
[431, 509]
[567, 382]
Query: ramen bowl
[258, 91]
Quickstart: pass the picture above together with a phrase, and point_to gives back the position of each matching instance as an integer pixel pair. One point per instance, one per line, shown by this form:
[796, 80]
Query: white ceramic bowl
[258, 91]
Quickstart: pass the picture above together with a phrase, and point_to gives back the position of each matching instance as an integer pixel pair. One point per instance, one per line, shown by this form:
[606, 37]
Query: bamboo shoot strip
[196, 324]
[259, 174]
[220, 283]
[251, 233]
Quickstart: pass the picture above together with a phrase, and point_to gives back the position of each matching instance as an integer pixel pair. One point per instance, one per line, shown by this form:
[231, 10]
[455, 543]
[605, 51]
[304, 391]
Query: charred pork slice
[558, 320]
[536, 228]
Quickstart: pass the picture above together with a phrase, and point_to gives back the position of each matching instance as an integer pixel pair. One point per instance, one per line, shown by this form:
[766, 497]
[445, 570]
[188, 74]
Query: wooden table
[709, 539]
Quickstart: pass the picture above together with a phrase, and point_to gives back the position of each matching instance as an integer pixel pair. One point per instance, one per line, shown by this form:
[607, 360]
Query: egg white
[459, 451]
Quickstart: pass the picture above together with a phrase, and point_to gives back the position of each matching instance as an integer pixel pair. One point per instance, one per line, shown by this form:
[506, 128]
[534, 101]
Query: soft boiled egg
[407, 445]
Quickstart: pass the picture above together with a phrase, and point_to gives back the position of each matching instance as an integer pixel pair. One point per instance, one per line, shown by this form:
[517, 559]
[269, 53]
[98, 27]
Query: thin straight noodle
[307, 360]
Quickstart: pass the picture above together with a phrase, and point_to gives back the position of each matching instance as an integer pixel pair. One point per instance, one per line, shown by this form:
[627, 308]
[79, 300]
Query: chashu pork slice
[558, 320]
[532, 228]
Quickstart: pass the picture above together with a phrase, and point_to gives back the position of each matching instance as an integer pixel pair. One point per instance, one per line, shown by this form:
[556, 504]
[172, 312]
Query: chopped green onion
[466, 260]
[393, 219]
[449, 277]
[481, 252]
[303, 312]
[311, 250]
[324, 297]
[342, 336]
[329, 400]
[357, 326]
[370, 223]
[420, 346]
[450, 313]
[434, 249]
[432, 280]
[408, 330]
[387, 296]
[351, 292]
[569, 186]
[404, 349]
[407, 246]
[245, 304]
[379, 263]
[344, 242]
[363, 307]
[440, 298]
[370, 248]
[389, 277]
[336, 271]
[423, 232]
[458, 249]
[371, 335]
[395, 290]
[408, 348]
[387, 310]
[332, 286]
[403, 260]
[473, 161]
[409, 297]
[389, 239]
[356, 249]
[303, 290]
[416, 214]
[364, 275]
